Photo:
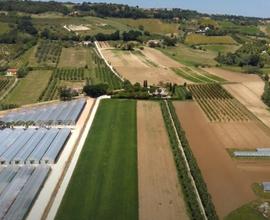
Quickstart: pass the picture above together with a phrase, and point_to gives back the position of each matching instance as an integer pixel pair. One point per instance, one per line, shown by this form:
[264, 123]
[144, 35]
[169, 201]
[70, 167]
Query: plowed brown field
[137, 66]
[160, 195]
[229, 181]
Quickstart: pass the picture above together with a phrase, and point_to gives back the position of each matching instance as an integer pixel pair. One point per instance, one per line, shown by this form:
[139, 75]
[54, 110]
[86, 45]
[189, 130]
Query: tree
[96, 90]
[66, 94]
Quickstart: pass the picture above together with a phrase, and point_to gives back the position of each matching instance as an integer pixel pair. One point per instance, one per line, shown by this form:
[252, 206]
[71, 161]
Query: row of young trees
[185, 181]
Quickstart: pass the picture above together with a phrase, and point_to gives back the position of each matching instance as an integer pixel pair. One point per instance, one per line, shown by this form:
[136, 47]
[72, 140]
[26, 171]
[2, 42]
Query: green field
[4, 28]
[189, 56]
[246, 212]
[218, 48]
[151, 25]
[28, 89]
[23, 59]
[104, 183]
[198, 39]
[244, 29]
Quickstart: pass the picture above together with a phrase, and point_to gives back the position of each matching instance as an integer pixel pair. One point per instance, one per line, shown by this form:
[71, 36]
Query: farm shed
[266, 186]
[260, 152]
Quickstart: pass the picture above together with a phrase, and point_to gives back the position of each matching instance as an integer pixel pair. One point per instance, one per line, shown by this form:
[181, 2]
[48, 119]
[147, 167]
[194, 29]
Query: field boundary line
[203, 75]
[186, 162]
[62, 185]
[107, 63]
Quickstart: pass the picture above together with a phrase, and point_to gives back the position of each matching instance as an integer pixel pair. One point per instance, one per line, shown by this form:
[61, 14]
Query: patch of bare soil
[160, 195]
[228, 180]
[232, 76]
[132, 67]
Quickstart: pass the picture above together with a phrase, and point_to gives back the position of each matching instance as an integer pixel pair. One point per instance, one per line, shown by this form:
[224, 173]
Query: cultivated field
[232, 76]
[197, 75]
[136, 67]
[198, 39]
[74, 57]
[47, 53]
[151, 25]
[229, 181]
[160, 195]
[189, 56]
[104, 183]
[29, 88]
[249, 94]
[218, 104]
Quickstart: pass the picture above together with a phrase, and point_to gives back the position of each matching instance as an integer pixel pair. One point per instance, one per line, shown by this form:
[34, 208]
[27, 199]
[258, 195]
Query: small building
[12, 72]
[266, 186]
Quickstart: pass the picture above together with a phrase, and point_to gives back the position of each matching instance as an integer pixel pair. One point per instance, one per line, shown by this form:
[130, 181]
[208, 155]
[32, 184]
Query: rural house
[12, 72]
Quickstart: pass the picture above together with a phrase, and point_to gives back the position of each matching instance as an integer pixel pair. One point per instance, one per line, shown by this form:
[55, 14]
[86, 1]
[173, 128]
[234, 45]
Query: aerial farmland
[109, 111]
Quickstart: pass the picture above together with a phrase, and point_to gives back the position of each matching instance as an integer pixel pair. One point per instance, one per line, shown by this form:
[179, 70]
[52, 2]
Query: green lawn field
[189, 56]
[28, 89]
[104, 183]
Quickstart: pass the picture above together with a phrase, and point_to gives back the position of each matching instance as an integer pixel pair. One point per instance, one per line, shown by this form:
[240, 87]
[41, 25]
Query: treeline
[33, 7]
[126, 36]
[266, 93]
[255, 53]
[23, 30]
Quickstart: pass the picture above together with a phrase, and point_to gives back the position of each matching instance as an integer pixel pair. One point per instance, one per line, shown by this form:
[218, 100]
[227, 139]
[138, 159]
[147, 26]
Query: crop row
[5, 83]
[48, 51]
[51, 92]
[211, 91]
[104, 74]
[183, 172]
[69, 74]
[218, 104]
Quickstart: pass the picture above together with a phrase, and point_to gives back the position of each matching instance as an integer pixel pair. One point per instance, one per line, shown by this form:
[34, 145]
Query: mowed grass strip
[28, 89]
[104, 185]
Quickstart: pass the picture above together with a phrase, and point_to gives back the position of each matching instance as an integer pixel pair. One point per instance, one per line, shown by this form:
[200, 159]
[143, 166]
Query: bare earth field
[137, 67]
[160, 58]
[232, 76]
[160, 195]
[229, 180]
[249, 94]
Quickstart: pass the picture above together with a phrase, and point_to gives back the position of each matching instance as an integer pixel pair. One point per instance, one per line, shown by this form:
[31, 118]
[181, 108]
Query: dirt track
[160, 195]
[138, 67]
[229, 181]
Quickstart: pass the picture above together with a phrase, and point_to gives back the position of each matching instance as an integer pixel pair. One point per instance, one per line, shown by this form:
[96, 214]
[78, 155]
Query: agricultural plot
[218, 104]
[197, 75]
[102, 73]
[74, 57]
[160, 195]
[48, 53]
[29, 89]
[228, 181]
[137, 67]
[189, 56]
[198, 39]
[104, 182]
[151, 25]
[237, 28]
[5, 84]
[23, 59]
